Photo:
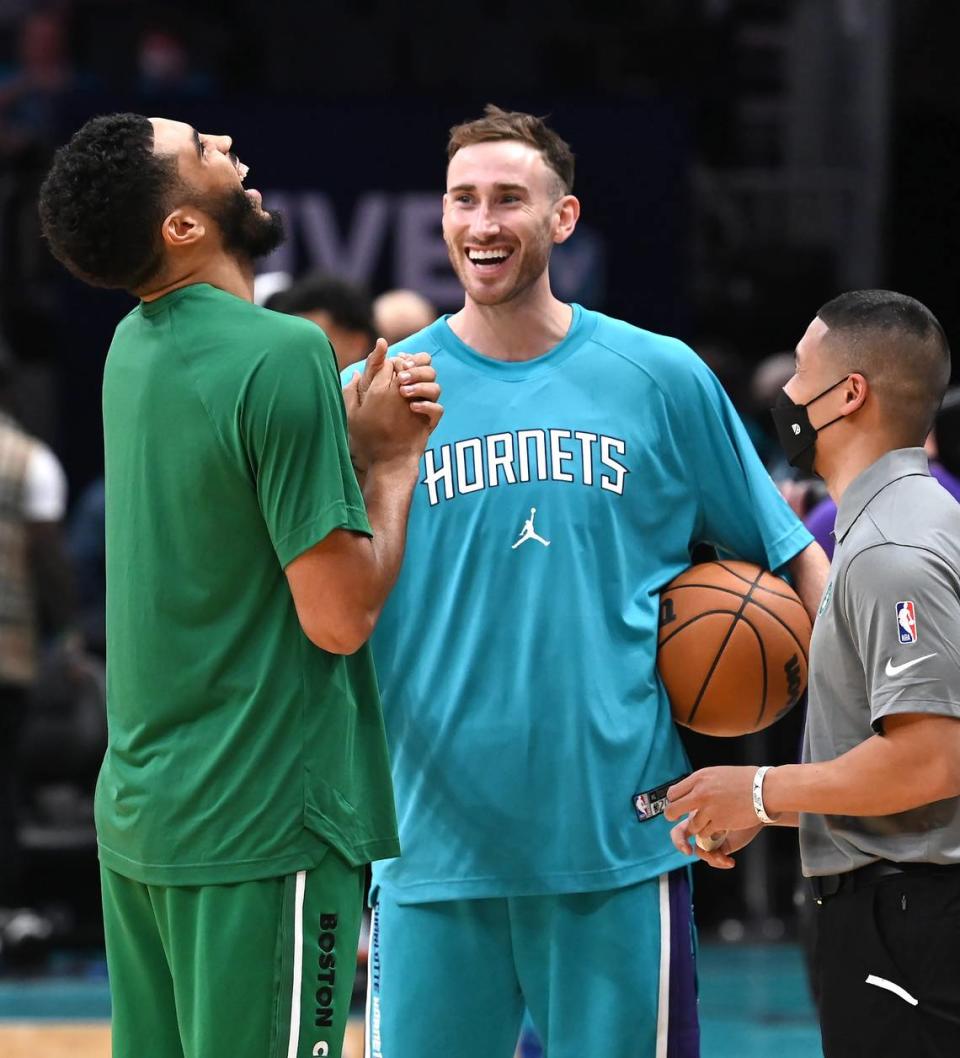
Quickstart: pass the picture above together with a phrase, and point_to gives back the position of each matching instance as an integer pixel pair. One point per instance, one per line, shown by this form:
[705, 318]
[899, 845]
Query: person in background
[342, 310]
[35, 597]
[86, 541]
[948, 432]
[399, 313]
[821, 518]
[768, 378]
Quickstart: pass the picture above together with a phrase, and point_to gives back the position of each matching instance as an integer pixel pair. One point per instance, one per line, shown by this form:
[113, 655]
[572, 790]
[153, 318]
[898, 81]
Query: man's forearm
[339, 585]
[388, 493]
[810, 571]
[886, 774]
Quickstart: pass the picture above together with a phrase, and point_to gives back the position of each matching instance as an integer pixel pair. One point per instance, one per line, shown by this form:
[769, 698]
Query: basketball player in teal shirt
[579, 461]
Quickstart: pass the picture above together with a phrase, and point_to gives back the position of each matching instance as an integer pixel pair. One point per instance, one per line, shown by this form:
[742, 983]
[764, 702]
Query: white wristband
[758, 796]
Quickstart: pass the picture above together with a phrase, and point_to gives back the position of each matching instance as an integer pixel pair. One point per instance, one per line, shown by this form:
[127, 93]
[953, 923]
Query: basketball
[732, 647]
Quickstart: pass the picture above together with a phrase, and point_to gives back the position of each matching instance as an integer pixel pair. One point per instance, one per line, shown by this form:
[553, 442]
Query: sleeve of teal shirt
[295, 431]
[741, 509]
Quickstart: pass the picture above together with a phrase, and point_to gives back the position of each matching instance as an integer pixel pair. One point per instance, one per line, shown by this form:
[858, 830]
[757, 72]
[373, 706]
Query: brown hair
[497, 124]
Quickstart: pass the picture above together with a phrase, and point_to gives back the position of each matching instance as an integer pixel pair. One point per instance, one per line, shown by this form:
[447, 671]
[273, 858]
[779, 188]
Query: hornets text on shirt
[524, 455]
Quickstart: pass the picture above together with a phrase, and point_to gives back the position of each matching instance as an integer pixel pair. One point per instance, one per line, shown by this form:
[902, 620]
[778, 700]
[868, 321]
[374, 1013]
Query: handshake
[392, 408]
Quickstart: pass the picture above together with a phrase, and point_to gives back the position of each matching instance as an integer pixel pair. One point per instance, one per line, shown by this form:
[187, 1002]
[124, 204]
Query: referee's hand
[721, 797]
[722, 856]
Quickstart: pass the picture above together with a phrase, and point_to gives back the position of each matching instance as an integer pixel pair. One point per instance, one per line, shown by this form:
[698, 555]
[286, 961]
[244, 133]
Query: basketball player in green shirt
[246, 782]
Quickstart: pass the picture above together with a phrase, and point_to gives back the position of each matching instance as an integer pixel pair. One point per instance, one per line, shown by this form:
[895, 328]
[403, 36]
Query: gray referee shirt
[886, 640]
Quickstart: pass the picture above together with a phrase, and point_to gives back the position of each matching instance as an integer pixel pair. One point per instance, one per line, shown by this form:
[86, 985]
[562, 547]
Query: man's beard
[534, 262]
[247, 232]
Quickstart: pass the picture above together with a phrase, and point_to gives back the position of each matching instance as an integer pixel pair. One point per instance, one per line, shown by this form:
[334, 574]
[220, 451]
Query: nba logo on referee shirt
[907, 622]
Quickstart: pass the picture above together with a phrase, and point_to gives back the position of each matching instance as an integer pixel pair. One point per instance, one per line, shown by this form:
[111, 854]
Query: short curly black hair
[104, 200]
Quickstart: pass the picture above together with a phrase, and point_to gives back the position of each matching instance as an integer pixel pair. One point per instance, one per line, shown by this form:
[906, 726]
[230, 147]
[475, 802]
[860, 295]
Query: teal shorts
[260, 969]
[607, 973]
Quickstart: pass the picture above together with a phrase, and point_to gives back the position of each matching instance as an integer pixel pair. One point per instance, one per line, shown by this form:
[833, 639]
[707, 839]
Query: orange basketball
[732, 649]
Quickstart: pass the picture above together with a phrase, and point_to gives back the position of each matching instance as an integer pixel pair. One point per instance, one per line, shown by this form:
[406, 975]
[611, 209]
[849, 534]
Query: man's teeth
[488, 255]
[243, 170]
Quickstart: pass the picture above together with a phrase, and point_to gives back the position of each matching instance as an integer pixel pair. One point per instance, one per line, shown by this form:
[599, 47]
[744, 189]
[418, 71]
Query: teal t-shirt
[237, 749]
[517, 653]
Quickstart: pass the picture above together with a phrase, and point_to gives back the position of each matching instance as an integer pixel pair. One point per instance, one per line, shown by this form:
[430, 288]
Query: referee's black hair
[897, 343]
[103, 202]
[883, 311]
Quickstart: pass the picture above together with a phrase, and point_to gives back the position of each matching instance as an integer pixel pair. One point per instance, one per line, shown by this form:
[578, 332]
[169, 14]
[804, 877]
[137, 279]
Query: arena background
[738, 162]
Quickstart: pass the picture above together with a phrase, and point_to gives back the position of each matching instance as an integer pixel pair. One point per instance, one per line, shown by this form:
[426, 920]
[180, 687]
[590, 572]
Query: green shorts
[260, 969]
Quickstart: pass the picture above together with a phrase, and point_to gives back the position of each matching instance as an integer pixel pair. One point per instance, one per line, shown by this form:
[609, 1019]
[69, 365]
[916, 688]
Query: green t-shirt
[237, 748]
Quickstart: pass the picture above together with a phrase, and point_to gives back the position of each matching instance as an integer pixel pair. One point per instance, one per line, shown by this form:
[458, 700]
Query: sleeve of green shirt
[909, 667]
[294, 428]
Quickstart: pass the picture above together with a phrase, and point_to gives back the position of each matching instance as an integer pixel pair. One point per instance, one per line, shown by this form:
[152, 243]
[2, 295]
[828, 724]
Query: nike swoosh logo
[892, 669]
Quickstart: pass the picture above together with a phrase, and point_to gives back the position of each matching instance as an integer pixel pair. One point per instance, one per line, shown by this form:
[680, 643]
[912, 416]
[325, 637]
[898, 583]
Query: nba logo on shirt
[907, 622]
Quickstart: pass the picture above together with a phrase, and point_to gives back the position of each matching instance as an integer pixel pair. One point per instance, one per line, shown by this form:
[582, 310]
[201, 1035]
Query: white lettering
[474, 446]
[376, 1041]
[587, 441]
[500, 461]
[559, 456]
[435, 475]
[523, 443]
[606, 482]
[476, 463]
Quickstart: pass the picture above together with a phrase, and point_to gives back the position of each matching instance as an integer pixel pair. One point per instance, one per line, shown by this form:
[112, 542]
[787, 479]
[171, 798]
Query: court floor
[754, 1004]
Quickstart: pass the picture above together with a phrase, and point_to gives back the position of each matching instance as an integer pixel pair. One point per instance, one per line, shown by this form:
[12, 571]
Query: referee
[876, 799]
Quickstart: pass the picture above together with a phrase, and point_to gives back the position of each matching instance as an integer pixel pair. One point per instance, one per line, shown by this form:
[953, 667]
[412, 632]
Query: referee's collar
[900, 463]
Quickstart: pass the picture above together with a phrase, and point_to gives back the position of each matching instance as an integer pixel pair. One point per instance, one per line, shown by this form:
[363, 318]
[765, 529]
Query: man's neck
[522, 329]
[226, 273]
[855, 460]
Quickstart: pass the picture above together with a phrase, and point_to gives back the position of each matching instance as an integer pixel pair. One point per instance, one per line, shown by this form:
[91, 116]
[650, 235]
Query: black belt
[826, 885]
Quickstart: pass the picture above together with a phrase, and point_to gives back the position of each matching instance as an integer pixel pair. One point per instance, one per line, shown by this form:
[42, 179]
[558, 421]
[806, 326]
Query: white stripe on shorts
[882, 982]
[369, 985]
[368, 1028]
[294, 1044]
[663, 1011]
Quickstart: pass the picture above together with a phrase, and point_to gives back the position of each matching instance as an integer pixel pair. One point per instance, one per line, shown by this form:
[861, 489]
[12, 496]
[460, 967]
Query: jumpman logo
[529, 533]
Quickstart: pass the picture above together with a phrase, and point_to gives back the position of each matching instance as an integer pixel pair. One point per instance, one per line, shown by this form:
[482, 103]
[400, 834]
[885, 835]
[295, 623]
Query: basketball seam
[763, 665]
[757, 603]
[693, 620]
[718, 587]
[723, 646]
[746, 580]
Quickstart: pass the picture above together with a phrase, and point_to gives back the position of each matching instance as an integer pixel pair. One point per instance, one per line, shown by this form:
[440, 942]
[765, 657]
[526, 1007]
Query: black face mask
[797, 436]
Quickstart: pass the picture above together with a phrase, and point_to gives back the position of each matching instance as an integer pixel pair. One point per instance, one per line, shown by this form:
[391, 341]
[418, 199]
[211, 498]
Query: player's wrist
[403, 463]
[393, 472]
[760, 807]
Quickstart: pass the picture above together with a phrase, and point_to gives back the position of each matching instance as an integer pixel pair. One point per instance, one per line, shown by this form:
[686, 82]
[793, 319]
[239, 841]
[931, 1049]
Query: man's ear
[183, 228]
[855, 392]
[567, 215]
